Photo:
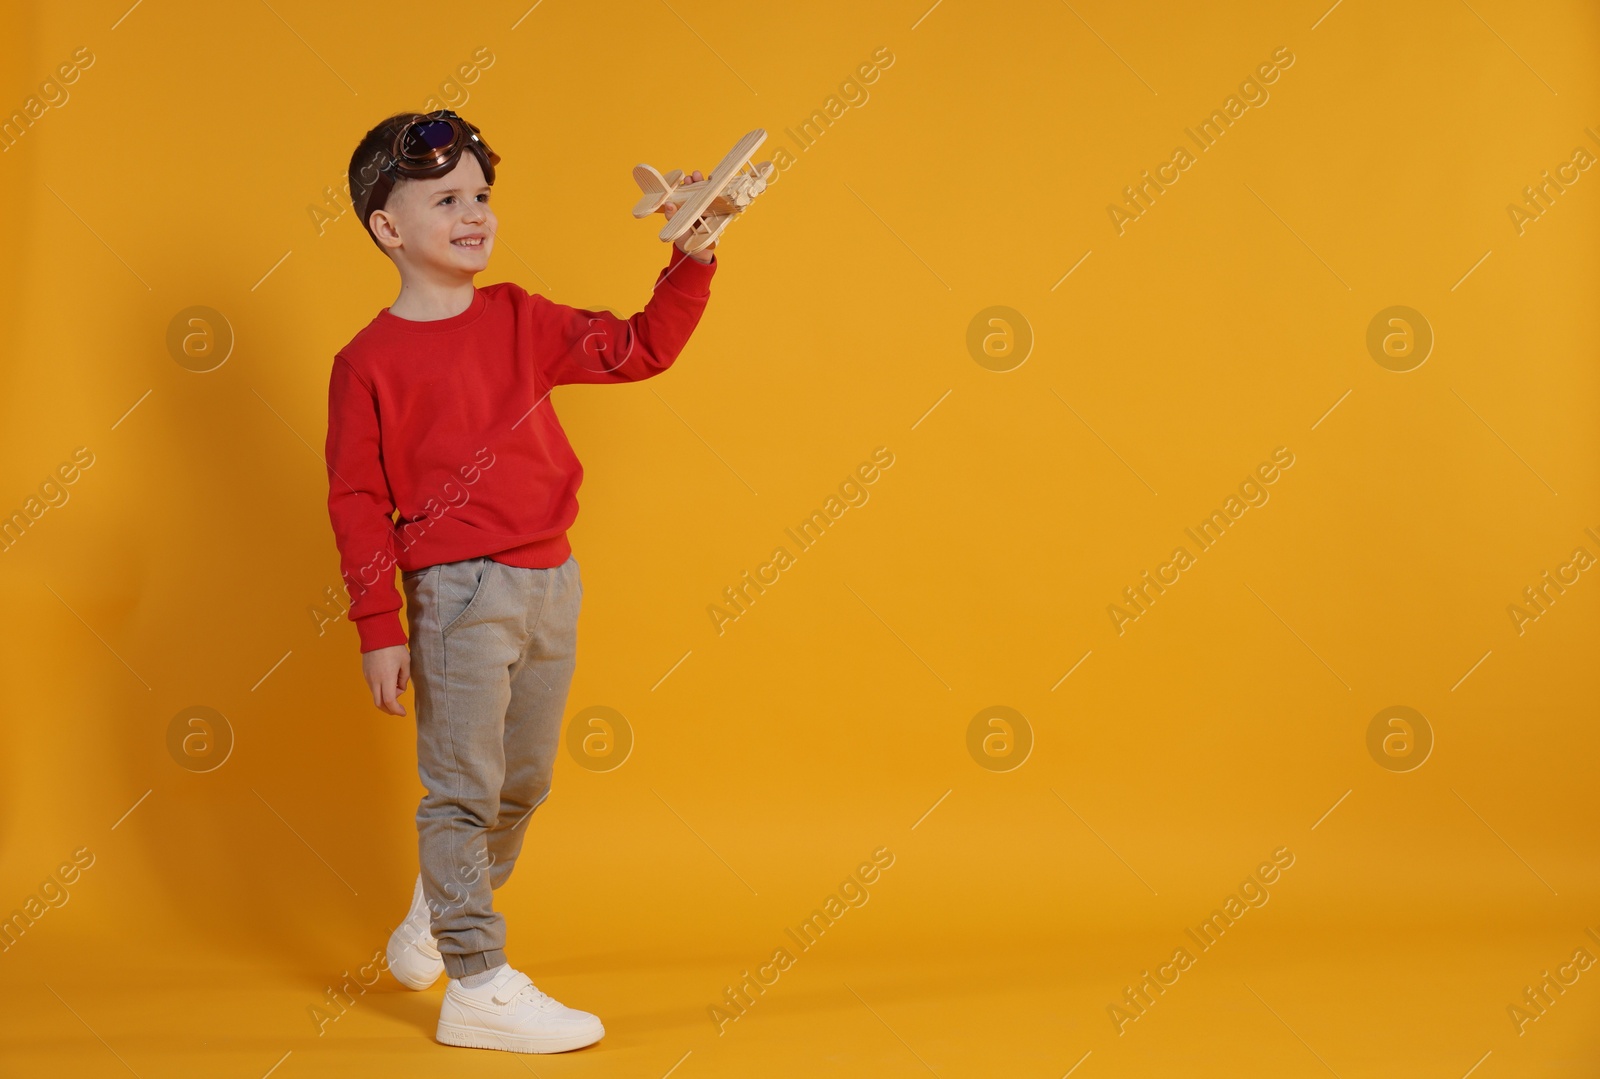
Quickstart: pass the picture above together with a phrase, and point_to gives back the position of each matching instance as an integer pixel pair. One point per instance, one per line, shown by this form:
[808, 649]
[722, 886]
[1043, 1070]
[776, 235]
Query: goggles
[427, 145]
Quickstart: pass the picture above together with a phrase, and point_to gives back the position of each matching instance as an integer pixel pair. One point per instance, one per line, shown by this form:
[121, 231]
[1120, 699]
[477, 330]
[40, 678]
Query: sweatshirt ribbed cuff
[689, 274]
[381, 630]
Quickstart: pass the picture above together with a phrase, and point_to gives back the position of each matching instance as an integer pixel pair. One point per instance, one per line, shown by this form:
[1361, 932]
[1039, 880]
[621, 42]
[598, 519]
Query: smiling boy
[446, 459]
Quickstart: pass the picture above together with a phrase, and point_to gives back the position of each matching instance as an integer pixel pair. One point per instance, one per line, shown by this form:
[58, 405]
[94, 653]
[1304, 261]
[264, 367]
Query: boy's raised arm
[361, 506]
[580, 345]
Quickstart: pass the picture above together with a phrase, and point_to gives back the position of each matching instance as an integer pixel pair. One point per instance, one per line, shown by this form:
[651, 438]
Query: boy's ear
[383, 228]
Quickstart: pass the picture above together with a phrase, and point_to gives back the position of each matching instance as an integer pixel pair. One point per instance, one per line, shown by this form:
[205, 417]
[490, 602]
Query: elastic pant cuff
[459, 966]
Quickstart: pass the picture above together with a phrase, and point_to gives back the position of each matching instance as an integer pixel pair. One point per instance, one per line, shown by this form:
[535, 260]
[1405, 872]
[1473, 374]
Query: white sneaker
[509, 1012]
[413, 958]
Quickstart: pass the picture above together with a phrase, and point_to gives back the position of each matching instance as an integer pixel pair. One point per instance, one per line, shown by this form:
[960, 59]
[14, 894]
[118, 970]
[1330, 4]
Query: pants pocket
[460, 585]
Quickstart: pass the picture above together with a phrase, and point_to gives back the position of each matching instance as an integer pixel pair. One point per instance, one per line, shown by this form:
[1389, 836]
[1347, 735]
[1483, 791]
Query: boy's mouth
[469, 241]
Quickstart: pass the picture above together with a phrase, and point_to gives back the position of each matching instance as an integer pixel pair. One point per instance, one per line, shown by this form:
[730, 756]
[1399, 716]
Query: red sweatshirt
[450, 423]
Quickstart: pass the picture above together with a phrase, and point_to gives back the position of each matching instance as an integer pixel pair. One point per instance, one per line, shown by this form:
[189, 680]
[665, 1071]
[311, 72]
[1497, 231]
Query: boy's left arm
[582, 345]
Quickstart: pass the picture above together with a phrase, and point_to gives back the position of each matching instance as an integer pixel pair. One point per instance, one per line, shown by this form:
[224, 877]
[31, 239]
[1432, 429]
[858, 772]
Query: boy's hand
[387, 671]
[705, 253]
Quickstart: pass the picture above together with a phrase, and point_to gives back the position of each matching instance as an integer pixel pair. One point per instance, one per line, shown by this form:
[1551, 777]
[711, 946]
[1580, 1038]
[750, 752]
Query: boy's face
[442, 224]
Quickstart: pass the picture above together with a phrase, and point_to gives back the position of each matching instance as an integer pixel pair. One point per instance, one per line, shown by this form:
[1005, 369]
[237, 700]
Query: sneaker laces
[531, 993]
[537, 997]
[519, 986]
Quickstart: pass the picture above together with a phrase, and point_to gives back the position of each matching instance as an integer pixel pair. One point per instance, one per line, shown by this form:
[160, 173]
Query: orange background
[832, 718]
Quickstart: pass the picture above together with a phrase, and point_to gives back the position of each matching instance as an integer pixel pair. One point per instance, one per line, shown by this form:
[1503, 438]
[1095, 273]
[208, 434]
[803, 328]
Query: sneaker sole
[478, 1038]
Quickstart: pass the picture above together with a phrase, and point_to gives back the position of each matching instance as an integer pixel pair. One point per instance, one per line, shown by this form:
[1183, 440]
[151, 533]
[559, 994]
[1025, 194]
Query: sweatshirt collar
[438, 325]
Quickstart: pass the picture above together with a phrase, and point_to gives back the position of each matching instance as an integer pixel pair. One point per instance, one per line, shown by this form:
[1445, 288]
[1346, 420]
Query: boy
[439, 409]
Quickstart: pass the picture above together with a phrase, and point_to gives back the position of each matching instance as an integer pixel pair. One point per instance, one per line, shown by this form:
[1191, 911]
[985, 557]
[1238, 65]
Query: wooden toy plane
[708, 206]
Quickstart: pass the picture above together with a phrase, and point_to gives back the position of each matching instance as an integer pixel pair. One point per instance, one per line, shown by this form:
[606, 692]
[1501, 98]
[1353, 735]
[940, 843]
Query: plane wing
[688, 213]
